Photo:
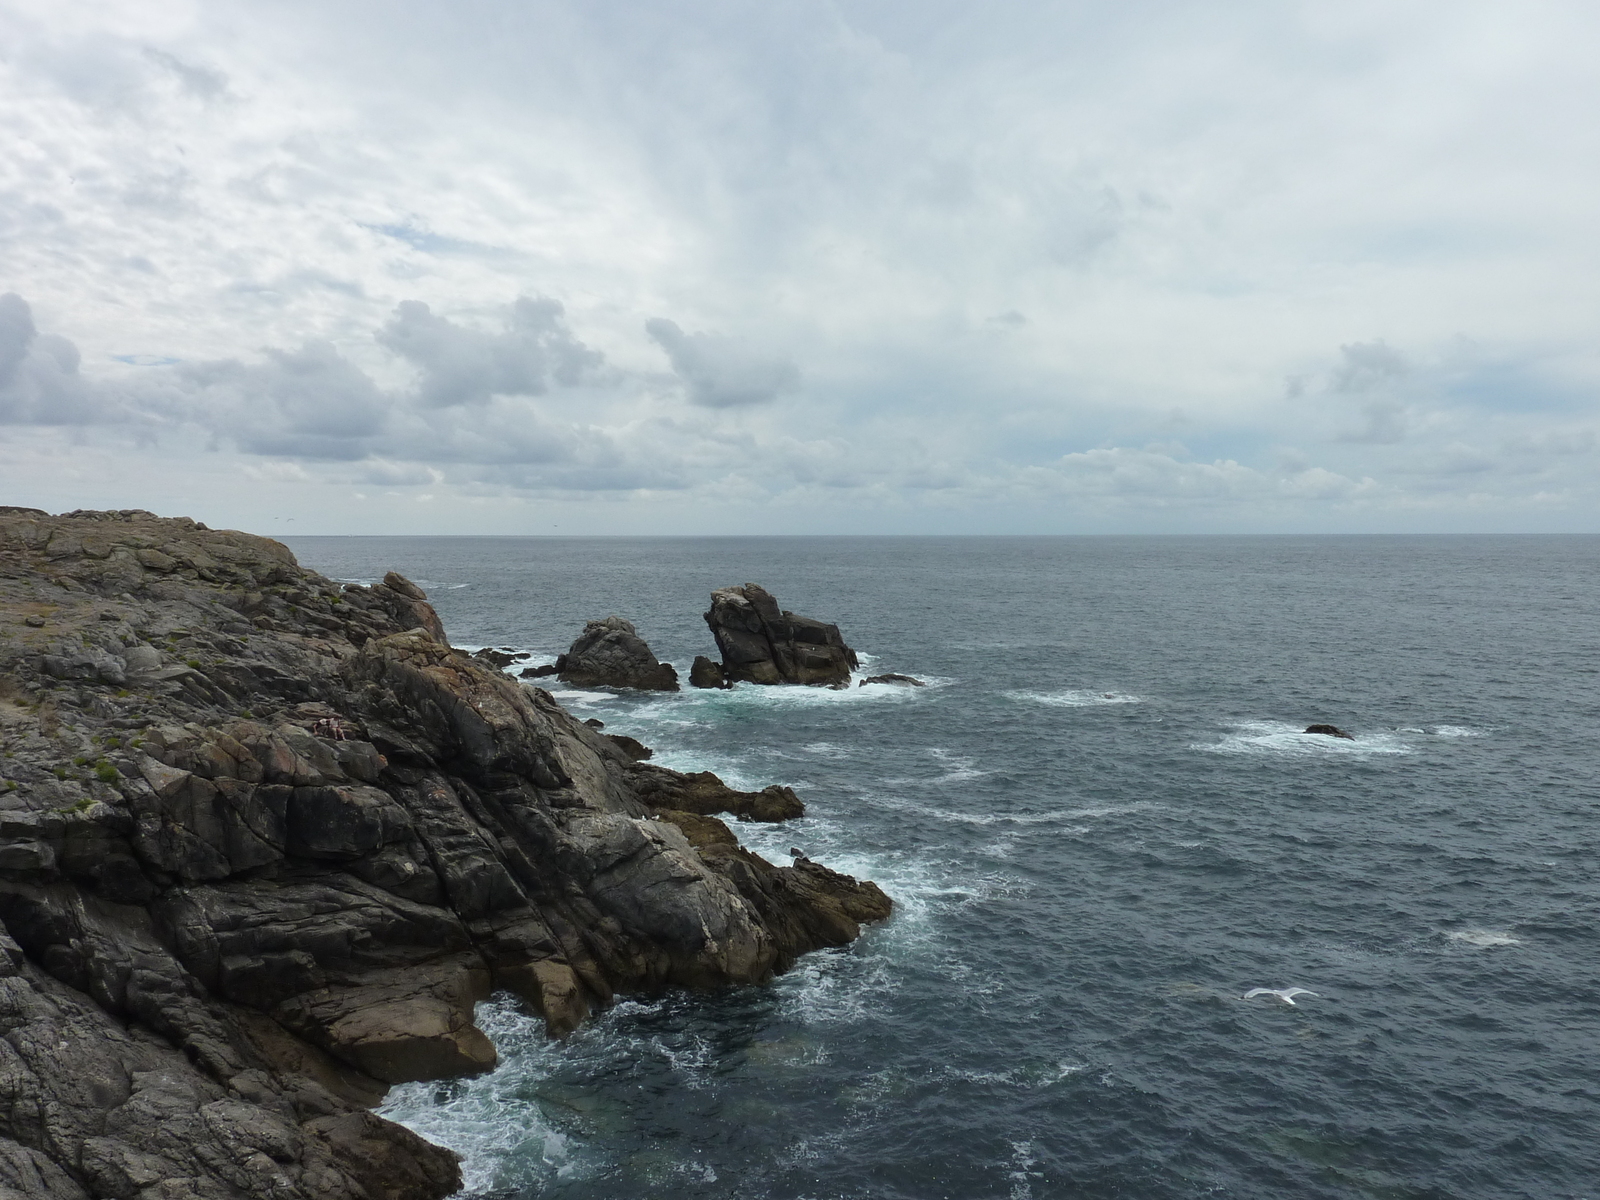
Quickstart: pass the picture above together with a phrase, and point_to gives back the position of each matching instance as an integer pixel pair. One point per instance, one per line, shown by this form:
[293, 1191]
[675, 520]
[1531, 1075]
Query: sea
[1102, 826]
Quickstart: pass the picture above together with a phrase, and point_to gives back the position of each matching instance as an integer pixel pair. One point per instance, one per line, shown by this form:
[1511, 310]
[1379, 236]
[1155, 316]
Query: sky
[792, 266]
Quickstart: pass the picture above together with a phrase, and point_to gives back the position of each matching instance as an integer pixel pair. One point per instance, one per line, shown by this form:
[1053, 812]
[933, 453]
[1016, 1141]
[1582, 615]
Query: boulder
[897, 680]
[1330, 731]
[706, 674]
[761, 643]
[610, 653]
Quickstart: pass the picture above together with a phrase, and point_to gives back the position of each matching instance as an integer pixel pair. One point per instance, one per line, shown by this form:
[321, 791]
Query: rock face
[762, 644]
[264, 843]
[610, 653]
[1330, 731]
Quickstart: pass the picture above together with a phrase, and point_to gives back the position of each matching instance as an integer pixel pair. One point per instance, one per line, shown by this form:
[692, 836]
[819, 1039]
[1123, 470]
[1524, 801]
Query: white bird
[1287, 995]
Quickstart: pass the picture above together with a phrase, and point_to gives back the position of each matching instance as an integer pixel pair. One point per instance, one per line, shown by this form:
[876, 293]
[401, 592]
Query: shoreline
[270, 839]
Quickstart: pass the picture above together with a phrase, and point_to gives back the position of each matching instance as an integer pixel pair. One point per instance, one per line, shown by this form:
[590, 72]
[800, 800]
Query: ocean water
[1102, 827]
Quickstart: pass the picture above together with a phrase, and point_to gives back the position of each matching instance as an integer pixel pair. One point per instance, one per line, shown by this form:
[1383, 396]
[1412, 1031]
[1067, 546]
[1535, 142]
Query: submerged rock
[610, 653]
[271, 872]
[1330, 731]
[899, 680]
[761, 643]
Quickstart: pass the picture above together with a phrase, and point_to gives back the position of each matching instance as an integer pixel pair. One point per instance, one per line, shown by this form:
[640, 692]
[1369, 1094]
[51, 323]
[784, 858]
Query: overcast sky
[517, 266]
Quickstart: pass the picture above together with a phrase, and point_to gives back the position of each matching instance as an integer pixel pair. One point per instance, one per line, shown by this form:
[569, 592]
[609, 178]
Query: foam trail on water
[1074, 698]
[1483, 937]
[1281, 739]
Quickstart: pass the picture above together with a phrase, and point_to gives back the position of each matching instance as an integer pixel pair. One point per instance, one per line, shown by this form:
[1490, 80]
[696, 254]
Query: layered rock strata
[610, 653]
[761, 643]
[265, 841]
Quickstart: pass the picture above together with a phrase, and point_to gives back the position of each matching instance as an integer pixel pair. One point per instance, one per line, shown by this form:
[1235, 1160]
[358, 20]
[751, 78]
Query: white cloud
[722, 372]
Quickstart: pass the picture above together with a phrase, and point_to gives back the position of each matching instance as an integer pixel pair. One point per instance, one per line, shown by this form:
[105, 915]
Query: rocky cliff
[264, 842]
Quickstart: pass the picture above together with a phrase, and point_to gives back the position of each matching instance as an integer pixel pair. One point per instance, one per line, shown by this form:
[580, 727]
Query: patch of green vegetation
[11, 786]
[105, 772]
[82, 806]
[247, 714]
[80, 761]
[193, 663]
[60, 772]
[121, 692]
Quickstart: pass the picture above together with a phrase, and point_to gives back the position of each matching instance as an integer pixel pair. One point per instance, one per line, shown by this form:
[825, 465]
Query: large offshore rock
[265, 841]
[762, 644]
[610, 653]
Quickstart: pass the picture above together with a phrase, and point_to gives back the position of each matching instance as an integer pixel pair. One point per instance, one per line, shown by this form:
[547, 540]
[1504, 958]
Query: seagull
[1287, 995]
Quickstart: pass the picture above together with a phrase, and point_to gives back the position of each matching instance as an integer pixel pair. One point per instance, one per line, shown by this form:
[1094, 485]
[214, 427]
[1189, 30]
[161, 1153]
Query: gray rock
[610, 653]
[706, 674]
[762, 644]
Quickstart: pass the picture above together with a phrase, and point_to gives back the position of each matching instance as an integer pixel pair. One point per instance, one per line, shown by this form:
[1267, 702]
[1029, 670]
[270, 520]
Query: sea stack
[610, 653]
[761, 643]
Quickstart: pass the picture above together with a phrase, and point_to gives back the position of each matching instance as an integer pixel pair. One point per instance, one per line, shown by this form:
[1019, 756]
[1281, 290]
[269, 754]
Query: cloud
[992, 238]
[308, 403]
[1368, 365]
[39, 379]
[722, 372]
[461, 365]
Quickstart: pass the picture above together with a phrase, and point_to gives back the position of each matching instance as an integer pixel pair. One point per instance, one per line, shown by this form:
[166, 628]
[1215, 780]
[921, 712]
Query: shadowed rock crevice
[265, 841]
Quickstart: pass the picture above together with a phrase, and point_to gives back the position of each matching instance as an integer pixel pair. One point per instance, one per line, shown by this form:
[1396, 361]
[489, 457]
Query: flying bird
[1287, 995]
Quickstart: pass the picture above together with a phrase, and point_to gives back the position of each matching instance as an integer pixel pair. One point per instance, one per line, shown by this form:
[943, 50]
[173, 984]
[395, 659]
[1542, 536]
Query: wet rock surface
[265, 841]
[1330, 731]
[761, 643]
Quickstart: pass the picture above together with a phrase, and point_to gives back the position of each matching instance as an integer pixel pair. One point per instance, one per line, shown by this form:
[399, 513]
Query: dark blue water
[1102, 827]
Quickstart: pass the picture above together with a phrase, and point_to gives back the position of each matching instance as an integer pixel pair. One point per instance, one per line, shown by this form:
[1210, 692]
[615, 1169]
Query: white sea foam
[581, 698]
[1455, 731]
[1280, 738]
[1483, 937]
[1075, 698]
[492, 1119]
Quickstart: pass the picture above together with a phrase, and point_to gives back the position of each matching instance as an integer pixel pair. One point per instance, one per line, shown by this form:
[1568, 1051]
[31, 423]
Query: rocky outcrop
[610, 653]
[706, 674]
[1330, 731]
[762, 644]
[265, 841]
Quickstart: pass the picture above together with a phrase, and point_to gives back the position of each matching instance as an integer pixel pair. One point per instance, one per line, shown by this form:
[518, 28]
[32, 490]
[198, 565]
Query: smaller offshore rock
[761, 643]
[706, 674]
[610, 653]
[500, 659]
[898, 680]
[1330, 731]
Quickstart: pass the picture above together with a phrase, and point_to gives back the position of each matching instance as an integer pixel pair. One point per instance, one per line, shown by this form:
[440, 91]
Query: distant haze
[794, 266]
